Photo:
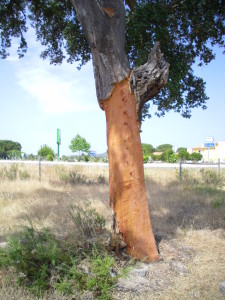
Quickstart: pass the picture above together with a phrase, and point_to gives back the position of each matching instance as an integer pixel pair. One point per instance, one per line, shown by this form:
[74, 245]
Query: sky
[36, 98]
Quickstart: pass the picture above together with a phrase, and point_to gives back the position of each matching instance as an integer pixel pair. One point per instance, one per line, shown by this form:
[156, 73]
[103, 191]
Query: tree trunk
[127, 185]
[122, 94]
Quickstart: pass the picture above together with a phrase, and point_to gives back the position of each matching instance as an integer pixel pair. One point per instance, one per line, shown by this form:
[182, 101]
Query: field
[188, 220]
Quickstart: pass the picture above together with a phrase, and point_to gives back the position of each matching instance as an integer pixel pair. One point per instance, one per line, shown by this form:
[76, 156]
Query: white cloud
[58, 89]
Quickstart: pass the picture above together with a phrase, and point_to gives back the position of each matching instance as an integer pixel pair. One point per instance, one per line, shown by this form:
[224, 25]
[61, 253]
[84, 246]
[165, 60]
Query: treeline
[165, 153]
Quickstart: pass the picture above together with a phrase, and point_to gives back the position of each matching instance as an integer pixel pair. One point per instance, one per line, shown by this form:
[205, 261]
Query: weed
[101, 179]
[33, 254]
[24, 175]
[211, 177]
[11, 174]
[101, 280]
[89, 222]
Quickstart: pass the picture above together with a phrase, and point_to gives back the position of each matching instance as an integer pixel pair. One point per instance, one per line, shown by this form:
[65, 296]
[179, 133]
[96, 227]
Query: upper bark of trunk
[147, 80]
[103, 22]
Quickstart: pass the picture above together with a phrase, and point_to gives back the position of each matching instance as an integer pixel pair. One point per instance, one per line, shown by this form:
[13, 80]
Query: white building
[211, 154]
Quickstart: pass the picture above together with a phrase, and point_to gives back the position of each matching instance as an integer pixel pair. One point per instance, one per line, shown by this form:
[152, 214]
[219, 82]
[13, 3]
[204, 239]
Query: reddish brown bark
[127, 186]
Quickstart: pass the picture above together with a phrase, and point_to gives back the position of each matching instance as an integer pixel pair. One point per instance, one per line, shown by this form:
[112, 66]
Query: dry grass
[190, 229]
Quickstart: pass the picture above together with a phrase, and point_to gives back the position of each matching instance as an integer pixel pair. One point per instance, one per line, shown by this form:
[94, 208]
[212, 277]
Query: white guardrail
[148, 165]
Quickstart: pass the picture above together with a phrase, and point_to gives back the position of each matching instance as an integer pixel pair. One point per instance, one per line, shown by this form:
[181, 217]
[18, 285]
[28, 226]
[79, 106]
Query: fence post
[180, 170]
[39, 169]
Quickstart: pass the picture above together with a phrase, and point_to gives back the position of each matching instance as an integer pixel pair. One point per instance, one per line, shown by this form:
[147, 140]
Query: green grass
[42, 263]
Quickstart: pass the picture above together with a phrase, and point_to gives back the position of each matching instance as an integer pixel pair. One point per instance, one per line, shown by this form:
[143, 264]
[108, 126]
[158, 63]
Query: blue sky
[37, 98]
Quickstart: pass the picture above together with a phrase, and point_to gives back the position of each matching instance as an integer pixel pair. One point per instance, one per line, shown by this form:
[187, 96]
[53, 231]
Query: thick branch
[147, 80]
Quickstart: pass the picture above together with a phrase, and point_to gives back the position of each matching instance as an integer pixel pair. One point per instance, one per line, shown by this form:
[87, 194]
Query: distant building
[211, 154]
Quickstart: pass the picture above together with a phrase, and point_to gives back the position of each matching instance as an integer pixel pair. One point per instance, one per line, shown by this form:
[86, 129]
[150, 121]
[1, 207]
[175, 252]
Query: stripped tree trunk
[121, 94]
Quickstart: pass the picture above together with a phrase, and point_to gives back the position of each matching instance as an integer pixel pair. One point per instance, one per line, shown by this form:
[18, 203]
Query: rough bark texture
[147, 80]
[103, 22]
[127, 185]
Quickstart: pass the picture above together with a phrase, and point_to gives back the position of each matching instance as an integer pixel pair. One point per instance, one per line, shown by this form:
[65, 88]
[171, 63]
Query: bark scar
[109, 11]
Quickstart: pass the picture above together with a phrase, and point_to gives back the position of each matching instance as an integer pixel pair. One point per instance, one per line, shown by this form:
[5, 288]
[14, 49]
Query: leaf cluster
[45, 152]
[79, 144]
[187, 30]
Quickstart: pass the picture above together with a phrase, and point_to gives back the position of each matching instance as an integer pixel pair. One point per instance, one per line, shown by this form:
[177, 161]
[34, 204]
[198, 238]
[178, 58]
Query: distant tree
[79, 144]
[165, 156]
[164, 148]
[147, 149]
[14, 154]
[181, 148]
[45, 151]
[6, 146]
[195, 156]
[183, 154]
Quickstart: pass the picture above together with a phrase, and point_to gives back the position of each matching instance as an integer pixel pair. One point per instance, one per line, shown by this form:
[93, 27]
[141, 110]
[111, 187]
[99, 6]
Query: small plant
[11, 174]
[101, 281]
[33, 254]
[101, 179]
[24, 175]
[217, 203]
[211, 177]
[89, 222]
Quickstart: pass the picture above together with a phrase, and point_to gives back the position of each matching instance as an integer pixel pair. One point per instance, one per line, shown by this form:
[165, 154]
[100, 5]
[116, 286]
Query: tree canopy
[187, 31]
[46, 152]
[9, 149]
[79, 144]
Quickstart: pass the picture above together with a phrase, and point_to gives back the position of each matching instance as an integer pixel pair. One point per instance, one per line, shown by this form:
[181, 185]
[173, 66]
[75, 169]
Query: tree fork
[126, 182]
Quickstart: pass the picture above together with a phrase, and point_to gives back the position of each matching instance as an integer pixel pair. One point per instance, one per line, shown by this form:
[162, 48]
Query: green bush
[41, 263]
[49, 157]
[89, 222]
[145, 159]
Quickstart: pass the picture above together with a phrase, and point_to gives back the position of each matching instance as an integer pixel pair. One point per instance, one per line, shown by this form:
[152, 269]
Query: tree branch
[147, 80]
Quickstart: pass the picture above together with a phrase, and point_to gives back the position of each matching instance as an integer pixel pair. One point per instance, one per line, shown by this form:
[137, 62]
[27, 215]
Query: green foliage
[79, 144]
[89, 221]
[165, 156]
[183, 154]
[147, 149]
[9, 149]
[46, 151]
[186, 31]
[13, 172]
[49, 157]
[172, 158]
[41, 262]
[195, 156]
[163, 148]
[33, 254]
[145, 159]
[101, 280]
[14, 154]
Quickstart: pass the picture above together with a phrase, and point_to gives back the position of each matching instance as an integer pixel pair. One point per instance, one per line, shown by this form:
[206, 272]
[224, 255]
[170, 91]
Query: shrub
[24, 175]
[89, 222]
[11, 174]
[49, 157]
[211, 177]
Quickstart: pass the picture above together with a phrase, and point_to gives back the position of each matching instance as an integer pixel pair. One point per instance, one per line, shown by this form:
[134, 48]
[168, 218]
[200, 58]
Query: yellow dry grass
[183, 218]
